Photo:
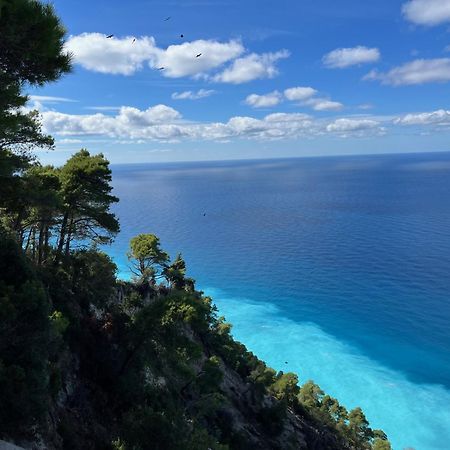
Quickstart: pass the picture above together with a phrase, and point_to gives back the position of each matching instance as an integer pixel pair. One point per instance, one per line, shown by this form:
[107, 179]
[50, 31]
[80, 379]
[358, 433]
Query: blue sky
[274, 79]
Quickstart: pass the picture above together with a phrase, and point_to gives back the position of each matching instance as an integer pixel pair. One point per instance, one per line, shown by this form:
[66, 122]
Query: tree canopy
[146, 256]
[31, 54]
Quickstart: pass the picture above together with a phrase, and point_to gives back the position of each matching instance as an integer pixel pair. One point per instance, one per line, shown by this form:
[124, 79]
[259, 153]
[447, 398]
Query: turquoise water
[335, 268]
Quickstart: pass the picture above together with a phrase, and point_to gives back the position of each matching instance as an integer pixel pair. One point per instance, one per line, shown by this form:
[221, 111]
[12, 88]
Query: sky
[231, 79]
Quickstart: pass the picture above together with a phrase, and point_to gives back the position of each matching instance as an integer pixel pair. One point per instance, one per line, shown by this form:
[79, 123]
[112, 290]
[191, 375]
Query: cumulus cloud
[251, 67]
[123, 56]
[165, 124]
[427, 12]
[264, 101]
[351, 124]
[180, 61]
[129, 122]
[346, 127]
[306, 96]
[321, 104]
[116, 56]
[190, 95]
[299, 93]
[162, 123]
[126, 56]
[439, 117]
[419, 71]
[346, 57]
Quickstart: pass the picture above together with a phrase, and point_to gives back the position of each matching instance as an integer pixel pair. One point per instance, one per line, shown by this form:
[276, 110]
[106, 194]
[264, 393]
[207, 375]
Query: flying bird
[198, 56]
[109, 36]
[161, 68]
[166, 19]
[181, 35]
[134, 40]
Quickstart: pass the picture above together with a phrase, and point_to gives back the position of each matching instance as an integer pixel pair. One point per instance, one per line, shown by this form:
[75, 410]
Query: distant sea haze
[335, 268]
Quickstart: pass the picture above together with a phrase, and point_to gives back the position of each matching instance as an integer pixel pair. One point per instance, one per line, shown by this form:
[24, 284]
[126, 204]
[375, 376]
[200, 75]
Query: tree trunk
[41, 242]
[62, 236]
[69, 237]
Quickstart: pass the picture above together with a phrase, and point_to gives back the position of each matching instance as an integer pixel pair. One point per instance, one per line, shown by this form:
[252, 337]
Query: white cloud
[69, 141]
[116, 56]
[189, 95]
[346, 57]
[321, 104]
[264, 101]
[439, 117]
[127, 55]
[345, 127]
[123, 56]
[419, 71]
[299, 93]
[180, 60]
[165, 124]
[307, 97]
[427, 12]
[251, 67]
[155, 122]
[49, 99]
[162, 123]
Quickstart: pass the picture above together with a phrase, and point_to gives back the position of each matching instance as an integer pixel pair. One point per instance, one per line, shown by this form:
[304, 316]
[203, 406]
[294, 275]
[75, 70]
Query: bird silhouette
[181, 35]
[161, 68]
[198, 56]
[134, 40]
[166, 19]
[204, 214]
[109, 36]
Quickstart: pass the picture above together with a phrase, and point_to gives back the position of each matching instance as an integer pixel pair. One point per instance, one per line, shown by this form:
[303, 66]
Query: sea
[336, 268]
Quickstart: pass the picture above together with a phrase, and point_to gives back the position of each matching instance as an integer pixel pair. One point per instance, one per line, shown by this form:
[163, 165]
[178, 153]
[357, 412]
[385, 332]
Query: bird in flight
[181, 35]
[198, 56]
[134, 40]
[109, 36]
[161, 68]
[166, 19]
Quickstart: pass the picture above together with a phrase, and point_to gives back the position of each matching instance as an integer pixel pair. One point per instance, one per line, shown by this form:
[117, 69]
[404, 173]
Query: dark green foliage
[145, 428]
[31, 52]
[86, 198]
[285, 387]
[24, 340]
[381, 444]
[147, 259]
[31, 48]
[175, 273]
[273, 417]
[351, 426]
[93, 277]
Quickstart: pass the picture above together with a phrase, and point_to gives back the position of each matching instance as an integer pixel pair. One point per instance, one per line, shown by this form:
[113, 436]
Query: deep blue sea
[338, 266]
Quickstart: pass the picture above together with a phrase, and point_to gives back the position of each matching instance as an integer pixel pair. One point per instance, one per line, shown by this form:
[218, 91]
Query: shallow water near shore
[337, 266]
